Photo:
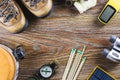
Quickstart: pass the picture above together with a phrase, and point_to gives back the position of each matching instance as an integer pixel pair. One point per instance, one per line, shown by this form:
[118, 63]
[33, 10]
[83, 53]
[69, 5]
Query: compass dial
[46, 71]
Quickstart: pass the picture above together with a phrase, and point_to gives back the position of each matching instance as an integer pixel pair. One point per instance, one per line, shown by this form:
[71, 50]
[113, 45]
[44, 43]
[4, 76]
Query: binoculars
[114, 53]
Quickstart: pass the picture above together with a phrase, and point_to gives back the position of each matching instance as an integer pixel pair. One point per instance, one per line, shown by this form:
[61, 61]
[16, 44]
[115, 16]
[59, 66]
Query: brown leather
[39, 8]
[11, 16]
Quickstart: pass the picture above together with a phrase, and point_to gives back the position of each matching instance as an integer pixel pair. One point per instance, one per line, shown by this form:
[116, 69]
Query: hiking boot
[12, 17]
[39, 8]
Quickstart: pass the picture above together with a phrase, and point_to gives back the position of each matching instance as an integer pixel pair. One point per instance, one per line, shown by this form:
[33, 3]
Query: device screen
[107, 13]
[99, 74]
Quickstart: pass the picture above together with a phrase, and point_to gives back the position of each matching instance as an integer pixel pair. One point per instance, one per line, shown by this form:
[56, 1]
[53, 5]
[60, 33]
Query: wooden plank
[53, 37]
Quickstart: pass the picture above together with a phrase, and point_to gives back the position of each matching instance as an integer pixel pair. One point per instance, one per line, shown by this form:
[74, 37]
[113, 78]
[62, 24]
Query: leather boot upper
[39, 8]
[11, 16]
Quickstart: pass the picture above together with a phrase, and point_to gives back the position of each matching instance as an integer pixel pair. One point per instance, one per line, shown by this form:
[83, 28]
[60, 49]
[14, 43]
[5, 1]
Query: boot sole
[23, 29]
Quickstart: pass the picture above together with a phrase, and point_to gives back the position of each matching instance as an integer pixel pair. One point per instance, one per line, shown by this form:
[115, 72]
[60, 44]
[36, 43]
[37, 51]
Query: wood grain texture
[52, 38]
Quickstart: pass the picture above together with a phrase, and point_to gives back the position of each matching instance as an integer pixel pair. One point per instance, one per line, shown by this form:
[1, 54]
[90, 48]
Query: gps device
[110, 10]
[107, 14]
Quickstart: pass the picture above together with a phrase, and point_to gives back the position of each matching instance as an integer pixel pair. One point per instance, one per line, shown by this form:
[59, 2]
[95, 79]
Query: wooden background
[52, 38]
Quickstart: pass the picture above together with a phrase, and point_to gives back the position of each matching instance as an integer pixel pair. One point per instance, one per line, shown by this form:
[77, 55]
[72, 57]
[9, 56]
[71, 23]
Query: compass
[44, 72]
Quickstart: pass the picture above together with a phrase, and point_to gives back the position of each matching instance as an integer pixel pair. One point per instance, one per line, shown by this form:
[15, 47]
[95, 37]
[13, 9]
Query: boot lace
[7, 11]
[33, 2]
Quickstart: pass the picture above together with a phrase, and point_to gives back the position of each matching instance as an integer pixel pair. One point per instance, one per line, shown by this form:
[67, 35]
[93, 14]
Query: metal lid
[7, 65]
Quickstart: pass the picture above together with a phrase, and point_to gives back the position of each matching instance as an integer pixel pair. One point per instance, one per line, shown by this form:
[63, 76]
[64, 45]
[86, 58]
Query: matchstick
[75, 64]
[71, 57]
[79, 68]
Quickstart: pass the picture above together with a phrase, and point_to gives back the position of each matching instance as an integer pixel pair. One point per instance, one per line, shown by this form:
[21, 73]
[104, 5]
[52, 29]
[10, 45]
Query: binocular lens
[105, 52]
[113, 38]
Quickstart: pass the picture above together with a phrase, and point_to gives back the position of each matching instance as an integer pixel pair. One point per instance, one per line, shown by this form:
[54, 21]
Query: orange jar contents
[8, 64]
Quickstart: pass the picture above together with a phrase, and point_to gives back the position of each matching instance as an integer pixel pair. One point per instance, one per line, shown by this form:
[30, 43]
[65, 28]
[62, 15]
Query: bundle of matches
[72, 70]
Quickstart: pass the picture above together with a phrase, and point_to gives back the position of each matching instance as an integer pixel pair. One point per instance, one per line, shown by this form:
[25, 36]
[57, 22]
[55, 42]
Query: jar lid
[7, 65]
